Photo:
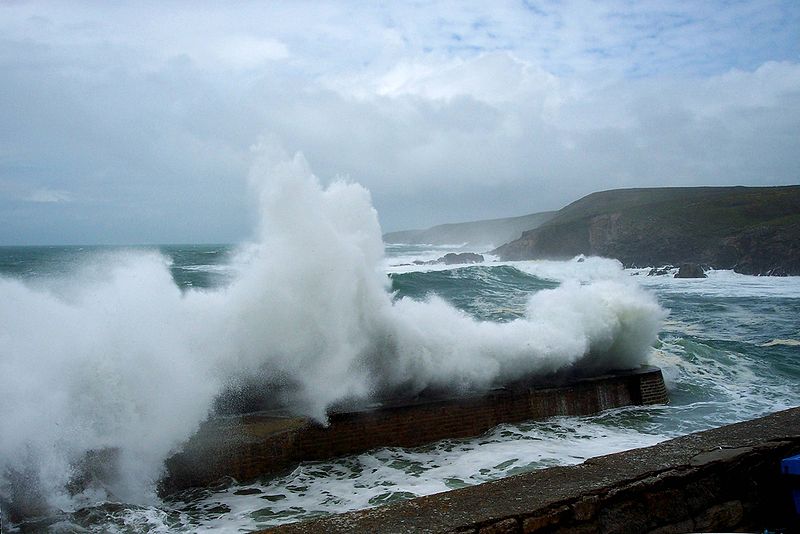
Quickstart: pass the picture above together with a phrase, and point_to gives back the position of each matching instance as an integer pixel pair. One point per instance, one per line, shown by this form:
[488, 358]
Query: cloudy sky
[133, 122]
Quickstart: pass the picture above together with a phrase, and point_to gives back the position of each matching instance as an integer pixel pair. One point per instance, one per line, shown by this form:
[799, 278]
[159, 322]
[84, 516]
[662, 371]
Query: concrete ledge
[252, 445]
[720, 480]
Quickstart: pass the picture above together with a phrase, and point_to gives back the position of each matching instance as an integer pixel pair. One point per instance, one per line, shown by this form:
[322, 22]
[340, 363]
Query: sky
[134, 122]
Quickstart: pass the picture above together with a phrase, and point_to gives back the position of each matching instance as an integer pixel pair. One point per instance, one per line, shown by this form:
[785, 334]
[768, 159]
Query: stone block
[702, 493]
[625, 517]
[667, 506]
[546, 519]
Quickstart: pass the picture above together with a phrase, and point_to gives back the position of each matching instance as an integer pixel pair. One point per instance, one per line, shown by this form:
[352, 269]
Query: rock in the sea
[659, 271]
[464, 257]
[691, 270]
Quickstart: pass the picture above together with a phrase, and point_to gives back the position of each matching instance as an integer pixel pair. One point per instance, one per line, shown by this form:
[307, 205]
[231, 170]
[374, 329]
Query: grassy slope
[721, 226]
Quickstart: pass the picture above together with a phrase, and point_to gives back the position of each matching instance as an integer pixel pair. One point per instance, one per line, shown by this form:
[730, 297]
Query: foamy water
[111, 354]
[715, 376]
[725, 358]
[713, 379]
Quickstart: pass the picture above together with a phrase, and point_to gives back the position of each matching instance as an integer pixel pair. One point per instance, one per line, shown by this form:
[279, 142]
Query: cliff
[475, 233]
[753, 230]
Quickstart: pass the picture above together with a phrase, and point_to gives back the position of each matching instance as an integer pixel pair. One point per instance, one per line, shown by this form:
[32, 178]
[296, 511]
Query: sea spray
[602, 326]
[120, 359]
[108, 366]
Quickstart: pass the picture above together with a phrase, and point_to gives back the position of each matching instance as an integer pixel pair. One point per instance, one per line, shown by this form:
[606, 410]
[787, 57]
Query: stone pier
[248, 446]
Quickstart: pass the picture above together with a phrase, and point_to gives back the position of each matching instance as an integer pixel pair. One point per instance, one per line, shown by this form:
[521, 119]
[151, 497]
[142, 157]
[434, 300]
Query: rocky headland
[752, 230]
[474, 234]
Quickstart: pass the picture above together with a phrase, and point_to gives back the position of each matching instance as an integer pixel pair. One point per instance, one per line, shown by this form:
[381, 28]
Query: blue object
[791, 466]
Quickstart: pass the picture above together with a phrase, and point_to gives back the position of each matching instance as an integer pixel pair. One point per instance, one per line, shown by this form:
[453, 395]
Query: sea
[728, 346]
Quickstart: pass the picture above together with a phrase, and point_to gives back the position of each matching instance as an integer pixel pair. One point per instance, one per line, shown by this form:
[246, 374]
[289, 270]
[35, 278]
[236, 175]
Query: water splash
[115, 357]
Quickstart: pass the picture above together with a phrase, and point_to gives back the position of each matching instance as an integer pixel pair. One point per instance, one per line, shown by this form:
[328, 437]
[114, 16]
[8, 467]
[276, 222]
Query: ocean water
[111, 358]
[729, 349]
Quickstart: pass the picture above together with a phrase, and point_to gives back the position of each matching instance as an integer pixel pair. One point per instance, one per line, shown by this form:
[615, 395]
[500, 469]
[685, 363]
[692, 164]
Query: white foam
[372, 478]
[722, 283]
[118, 357]
[581, 268]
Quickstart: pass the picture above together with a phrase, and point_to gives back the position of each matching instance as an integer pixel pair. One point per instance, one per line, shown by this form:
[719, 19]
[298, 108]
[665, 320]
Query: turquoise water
[496, 293]
[729, 349]
[191, 266]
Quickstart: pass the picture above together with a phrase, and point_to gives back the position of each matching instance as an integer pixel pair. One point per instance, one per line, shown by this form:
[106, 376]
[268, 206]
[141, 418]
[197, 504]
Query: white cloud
[445, 113]
[489, 77]
[250, 52]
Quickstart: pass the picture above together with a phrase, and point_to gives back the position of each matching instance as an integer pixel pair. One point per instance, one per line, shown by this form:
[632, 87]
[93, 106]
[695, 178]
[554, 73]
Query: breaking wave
[116, 357]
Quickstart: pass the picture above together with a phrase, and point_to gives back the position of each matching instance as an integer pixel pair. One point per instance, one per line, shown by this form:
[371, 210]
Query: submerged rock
[691, 270]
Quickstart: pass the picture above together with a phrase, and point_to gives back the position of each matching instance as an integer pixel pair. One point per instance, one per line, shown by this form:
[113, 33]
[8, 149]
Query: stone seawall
[249, 446]
[725, 479]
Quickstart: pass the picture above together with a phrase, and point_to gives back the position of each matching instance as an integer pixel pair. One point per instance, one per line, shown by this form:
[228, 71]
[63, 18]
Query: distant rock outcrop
[464, 257]
[453, 258]
[690, 270]
[753, 230]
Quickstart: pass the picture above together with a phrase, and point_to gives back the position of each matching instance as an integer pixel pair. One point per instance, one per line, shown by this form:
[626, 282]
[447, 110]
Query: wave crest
[129, 362]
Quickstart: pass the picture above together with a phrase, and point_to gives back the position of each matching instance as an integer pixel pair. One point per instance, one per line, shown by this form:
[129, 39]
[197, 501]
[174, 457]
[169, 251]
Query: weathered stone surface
[667, 506]
[545, 519]
[718, 455]
[717, 492]
[700, 494]
[626, 517]
[690, 270]
[506, 526]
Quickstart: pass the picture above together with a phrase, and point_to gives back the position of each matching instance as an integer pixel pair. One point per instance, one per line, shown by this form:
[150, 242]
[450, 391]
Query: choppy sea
[729, 349]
